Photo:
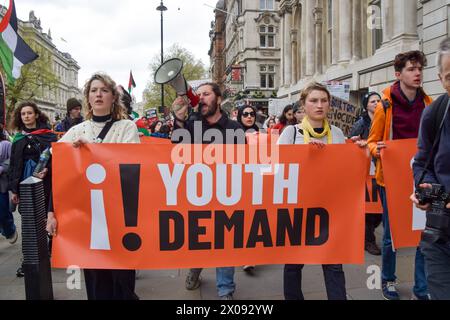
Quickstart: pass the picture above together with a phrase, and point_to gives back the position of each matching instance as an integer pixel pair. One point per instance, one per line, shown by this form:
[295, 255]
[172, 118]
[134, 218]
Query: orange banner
[135, 207]
[154, 140]
[397, 167]
[373, 200]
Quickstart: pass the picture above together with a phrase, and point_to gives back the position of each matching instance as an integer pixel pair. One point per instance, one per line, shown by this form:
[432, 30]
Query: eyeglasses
[247, 114]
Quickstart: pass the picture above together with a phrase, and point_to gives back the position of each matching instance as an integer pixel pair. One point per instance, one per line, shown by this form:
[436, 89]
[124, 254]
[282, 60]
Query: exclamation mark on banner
[129, 180]
[96, 175]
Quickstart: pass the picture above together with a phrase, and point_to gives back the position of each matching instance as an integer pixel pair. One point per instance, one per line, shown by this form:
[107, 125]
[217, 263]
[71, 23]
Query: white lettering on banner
[257, 170]
[291, 184]
[236, 186]
[96, 174]
[172, 180]
[207, 187]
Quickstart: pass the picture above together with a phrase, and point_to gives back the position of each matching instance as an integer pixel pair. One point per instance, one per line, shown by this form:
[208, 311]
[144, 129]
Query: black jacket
[27, 148]
[439, 170]
[361, 127]
[197, 137]
[68, 123]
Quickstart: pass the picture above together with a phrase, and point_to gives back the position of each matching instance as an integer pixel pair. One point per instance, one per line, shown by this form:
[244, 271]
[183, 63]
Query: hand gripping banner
[156, 206]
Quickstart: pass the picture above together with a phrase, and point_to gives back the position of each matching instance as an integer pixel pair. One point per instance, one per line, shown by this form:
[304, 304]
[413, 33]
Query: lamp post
[162, 8]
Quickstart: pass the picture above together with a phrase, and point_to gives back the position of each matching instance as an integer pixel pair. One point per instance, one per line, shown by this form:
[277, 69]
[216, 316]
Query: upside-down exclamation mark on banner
[96, 174]
[129, 180]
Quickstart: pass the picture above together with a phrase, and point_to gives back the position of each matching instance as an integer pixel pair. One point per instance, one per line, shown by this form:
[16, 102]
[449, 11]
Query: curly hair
[16, 121]
[118, 110]
[415, 56]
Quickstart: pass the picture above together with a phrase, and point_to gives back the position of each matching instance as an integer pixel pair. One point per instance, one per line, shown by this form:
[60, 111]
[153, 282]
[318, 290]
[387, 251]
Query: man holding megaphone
[195, 114]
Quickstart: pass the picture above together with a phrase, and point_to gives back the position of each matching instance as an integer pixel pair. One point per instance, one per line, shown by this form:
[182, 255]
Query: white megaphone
[170, 72]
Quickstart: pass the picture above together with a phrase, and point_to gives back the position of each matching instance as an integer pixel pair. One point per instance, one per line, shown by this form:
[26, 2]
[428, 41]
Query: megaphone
[170, 73]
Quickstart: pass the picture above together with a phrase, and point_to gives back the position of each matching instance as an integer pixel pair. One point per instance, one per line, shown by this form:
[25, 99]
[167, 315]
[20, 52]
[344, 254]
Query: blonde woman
[106, 123]
[314, 129]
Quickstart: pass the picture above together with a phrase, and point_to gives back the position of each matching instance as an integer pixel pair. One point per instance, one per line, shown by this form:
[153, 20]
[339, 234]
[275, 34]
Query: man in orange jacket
[398, 116]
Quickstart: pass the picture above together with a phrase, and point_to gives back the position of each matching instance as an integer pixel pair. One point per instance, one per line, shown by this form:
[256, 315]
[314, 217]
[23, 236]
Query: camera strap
[104, 131]
[437, 136]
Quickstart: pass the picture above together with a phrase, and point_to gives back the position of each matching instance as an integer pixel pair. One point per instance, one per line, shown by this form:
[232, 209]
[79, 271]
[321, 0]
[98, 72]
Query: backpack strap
[295, 134]
[386, 104]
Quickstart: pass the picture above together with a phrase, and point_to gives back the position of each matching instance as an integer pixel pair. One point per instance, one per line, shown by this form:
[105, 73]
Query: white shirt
[123, 131]
[287, 137]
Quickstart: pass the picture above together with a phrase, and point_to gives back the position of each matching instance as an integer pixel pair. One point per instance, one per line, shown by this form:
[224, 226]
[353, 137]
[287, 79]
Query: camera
[437, 228]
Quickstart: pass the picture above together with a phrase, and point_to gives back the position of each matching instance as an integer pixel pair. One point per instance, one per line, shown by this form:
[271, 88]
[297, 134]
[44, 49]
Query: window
[266, 4]
[376, 25]
[267, 76]
[267, 36]
[330, 32]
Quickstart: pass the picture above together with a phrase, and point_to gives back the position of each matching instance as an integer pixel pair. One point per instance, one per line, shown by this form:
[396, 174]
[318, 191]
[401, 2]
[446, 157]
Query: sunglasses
[247, 114]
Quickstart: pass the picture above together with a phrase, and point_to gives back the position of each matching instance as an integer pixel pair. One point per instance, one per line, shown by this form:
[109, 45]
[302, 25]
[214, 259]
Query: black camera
[438, 217]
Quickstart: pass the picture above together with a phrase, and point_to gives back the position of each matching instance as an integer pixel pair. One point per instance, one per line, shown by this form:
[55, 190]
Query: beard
[211, 110]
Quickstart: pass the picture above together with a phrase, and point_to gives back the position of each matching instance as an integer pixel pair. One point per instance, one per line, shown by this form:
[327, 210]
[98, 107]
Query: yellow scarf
[308, 131]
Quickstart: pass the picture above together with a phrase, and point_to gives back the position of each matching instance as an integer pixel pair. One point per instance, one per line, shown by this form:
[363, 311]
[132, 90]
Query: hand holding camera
[438, 216]
[415, 200]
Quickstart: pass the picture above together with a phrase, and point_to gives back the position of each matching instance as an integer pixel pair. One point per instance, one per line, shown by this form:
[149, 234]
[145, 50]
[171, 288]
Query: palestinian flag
[131, 83]
[14, 52]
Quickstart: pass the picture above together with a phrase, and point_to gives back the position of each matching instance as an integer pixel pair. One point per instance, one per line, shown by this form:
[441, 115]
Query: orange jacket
[381, 129]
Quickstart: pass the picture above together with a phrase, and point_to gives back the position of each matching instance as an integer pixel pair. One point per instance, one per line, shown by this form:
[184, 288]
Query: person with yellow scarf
[315, 130]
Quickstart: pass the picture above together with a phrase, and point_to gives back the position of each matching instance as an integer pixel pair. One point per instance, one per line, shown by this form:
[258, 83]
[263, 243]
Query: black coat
[27, 148]
[361, 127]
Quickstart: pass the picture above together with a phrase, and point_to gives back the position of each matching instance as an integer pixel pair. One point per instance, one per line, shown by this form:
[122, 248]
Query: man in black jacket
[73, 116]
[437, 251]
[207, 124]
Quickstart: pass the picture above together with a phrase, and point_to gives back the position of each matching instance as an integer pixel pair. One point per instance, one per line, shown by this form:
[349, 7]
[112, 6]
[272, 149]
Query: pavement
[265, 283]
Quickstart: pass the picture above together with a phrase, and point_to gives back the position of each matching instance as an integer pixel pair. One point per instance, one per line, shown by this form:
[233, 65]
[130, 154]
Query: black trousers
[372, 222]
[437, 264]
[107, 284]
[334, 281]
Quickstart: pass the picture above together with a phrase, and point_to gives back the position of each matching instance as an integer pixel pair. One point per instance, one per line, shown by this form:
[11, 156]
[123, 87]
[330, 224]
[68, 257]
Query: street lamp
[162, 8]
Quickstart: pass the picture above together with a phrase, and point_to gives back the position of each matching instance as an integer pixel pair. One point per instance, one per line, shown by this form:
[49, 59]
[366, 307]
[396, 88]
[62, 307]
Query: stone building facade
[356, 41]
[64, 67]
[250, 32]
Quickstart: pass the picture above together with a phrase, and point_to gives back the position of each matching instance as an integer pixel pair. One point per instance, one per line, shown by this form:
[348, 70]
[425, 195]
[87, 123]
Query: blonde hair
[313, 86]
[117, 110]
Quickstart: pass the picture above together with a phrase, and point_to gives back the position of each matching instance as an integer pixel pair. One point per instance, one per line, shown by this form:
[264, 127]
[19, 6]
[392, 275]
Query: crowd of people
[394, 114]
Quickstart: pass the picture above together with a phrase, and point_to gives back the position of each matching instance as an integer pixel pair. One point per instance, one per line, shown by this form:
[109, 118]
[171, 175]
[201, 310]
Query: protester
[106, 123]
[359, 134]
[398, 117]
[73, 116]
[299, 114]
[247, 118]
[32, 138]
[142, 125]
[314, 130]
[126, 100]
[209, 115]
[163, 132]
[437, 253]
[260, 116]
[286, 119]
[155, 127]
[233, 113]
[7, 226]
